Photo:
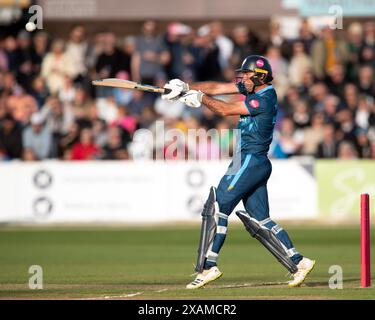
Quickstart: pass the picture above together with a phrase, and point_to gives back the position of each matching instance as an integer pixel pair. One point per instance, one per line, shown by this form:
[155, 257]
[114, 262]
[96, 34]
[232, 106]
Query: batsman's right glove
[177, 86]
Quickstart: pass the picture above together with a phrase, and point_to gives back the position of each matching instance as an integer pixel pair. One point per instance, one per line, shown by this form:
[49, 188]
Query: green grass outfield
[156, 263]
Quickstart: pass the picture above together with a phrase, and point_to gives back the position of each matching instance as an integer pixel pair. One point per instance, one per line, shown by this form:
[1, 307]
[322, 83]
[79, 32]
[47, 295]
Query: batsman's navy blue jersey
[257, 127]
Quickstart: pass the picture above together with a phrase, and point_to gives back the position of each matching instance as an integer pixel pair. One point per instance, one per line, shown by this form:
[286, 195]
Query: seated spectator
[328, 147]
[363, 144]
[21, 106]
[330, 106]
[336, 80]
[37, 138]
[289, 140]
[39, 91]
[364, 112]
[350, 100]
[346, 151]
[300, 63]
[279, 70]
[366, 82]
[68, 140]
[367, 54]
[114, 149]
[85, 149]
[313, 135]
[10, 138]
[301, 115]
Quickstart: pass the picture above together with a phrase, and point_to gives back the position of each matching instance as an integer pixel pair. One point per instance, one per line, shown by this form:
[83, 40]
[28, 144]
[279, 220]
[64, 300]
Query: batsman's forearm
[213, 88]
[215, 105]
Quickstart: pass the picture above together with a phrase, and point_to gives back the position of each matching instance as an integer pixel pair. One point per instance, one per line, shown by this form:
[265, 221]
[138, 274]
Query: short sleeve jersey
[257, 127]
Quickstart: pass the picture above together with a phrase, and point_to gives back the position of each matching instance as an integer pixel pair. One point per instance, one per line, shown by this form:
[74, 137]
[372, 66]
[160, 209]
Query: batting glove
[177, 86]
[192, 98]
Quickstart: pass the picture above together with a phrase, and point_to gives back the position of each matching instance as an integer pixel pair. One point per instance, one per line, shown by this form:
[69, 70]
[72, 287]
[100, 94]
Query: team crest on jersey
[260, 63]
[254, 103]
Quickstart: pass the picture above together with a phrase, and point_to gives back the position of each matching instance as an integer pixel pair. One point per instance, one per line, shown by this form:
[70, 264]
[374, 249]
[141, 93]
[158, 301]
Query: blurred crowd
[49, 109]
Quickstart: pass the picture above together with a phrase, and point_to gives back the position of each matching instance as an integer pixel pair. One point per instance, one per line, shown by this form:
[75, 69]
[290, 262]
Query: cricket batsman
[248, 184]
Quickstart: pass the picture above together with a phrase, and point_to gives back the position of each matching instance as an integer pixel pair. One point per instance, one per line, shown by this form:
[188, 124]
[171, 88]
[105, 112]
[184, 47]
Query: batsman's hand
[177, 86]
[192, 98]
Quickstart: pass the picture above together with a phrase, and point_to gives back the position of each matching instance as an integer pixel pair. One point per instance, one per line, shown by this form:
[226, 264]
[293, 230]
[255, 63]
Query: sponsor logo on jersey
[254, 103]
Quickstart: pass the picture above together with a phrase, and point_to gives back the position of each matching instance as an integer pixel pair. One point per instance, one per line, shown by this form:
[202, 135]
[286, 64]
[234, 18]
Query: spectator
[301, 116]
[290, 140]
[114, 149]
[279, 70]
[300, 63]
[56, 67]
[10, 49]
[277, 40]
[350, 100]
[39, 91]
[336, 80]
[367, 54]
[207, 58]
[355, 43]
[363, 113]
[39, 51]
[77, 48]
[347, 151]
[366, 82]
[3, 58]
[23, 53]
[326, 52]
[306, 36]
[21, 106]
[110, 60]
[10, 138]
[85, 149]
[242, 47]
[363, 144]
[179, 41]
[151, 55]
[328, 147]
[37, 139]
[224, 44]
[317, 94]
[313, 135]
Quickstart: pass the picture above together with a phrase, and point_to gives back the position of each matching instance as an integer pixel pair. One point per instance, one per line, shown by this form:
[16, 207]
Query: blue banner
[349, 8]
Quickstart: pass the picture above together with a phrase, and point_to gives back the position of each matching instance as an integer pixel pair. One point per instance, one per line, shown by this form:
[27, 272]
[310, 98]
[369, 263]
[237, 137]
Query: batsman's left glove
[192, 98]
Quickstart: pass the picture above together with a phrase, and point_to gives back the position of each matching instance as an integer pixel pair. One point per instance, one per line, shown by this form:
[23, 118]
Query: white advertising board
[136, 192]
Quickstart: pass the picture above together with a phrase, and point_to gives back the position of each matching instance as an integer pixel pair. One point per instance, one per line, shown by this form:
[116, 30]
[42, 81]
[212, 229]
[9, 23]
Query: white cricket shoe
[205, 277]
[304, 268]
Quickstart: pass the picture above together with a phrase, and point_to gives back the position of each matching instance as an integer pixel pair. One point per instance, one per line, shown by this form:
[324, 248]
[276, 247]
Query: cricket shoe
[205, 277]
[304, 268]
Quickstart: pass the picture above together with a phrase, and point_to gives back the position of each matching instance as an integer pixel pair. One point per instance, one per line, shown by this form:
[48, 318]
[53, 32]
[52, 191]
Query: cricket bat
[126, 84]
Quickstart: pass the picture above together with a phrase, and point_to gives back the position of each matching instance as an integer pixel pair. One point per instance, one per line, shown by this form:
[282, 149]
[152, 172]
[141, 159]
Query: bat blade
[126, 84]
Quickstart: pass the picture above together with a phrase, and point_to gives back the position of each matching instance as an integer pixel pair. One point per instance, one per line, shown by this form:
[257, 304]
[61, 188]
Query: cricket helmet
[260, 66]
